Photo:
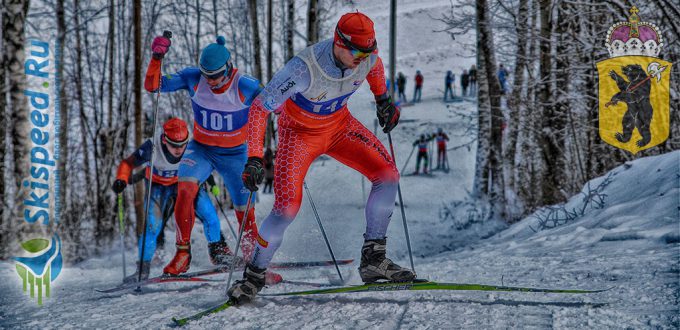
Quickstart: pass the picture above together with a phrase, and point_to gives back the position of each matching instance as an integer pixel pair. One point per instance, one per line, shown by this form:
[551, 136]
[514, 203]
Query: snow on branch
[558, 215]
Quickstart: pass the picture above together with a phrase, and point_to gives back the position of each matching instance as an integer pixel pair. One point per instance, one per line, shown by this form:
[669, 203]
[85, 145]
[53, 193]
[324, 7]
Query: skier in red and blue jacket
[221, 99]
[170, 145]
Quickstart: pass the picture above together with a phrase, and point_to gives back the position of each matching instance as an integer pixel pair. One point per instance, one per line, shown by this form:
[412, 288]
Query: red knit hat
[357, 30]
[175, 131]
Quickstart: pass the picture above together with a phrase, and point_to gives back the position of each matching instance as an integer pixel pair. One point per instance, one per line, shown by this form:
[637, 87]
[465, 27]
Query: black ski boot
[375, 266]
[146, 267]
[220, 254]
[245, 290]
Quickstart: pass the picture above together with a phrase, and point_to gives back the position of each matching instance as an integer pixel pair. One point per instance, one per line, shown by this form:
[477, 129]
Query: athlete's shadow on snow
[147, 290]
[370, 300]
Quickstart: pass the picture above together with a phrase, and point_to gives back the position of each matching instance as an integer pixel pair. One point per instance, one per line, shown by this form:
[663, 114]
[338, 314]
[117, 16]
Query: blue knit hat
[214, 57]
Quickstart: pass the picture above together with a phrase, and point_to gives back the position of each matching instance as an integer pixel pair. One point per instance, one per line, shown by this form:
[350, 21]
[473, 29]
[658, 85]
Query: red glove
[160, 47]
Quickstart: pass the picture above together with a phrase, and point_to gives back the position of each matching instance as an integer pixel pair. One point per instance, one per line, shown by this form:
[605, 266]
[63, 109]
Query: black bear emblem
[635, 93]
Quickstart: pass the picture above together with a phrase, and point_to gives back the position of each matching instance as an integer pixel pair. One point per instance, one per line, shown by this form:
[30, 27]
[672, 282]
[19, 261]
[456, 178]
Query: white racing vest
[164, 172]
[219, 119]
[326, 94]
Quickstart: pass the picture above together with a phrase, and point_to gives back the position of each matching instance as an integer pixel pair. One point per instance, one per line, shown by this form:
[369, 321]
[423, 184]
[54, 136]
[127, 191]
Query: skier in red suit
[310, 94]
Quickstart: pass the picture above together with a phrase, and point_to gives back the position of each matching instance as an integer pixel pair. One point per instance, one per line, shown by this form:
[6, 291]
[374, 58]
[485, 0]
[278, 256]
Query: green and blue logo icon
[41, 267]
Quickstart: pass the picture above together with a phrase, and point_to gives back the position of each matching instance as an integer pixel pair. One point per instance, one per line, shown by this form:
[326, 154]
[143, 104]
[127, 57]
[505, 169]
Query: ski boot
[180, 262]
[245, 290]
[375, 266]
[220, 254]
[146, 267]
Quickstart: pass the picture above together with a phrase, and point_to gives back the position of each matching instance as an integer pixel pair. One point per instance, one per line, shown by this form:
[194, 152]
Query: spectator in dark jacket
[473, 80]
[269, 157]
[417, 92]
[464, 82]
[401, 86]
[448, 85]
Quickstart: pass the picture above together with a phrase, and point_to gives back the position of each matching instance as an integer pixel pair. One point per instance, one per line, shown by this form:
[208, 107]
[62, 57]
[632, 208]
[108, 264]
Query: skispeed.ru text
[37, 203]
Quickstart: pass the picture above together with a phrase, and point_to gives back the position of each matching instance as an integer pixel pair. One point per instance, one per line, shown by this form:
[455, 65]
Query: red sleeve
[257, 125]
[153, 75]
[376, 78]
[125, 169]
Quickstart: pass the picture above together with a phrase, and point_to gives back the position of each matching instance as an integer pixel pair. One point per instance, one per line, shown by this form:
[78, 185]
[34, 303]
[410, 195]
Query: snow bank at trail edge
[640, 201]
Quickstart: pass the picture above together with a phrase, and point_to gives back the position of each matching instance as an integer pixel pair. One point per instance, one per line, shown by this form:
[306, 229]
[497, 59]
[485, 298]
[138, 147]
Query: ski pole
[238, 241]
[323, 232]
[430, 156]
[121, 225]
[168, 35]
[408, 159]
[401, 205]
[226, 218]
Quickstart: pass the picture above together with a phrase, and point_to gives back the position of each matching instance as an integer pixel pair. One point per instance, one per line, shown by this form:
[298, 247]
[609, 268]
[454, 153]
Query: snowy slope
[631, 243]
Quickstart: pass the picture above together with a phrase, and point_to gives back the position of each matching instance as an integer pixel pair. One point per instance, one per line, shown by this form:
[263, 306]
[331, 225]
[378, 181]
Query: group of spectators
[468, 84]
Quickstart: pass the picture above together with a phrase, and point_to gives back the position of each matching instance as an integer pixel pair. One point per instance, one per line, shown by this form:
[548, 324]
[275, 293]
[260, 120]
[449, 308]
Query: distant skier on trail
[311, 93]
[170, 145]
[422, 143]
[221, 98]
[441, 139]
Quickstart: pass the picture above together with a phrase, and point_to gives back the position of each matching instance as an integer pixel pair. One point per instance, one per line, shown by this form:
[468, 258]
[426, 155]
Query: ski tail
[427, 285]
[302, 264]
[155, 280]
[416, 285]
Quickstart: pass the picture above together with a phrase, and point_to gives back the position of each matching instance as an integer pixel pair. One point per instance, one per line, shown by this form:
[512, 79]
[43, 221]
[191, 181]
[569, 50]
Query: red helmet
[175, 132]
[355, 30]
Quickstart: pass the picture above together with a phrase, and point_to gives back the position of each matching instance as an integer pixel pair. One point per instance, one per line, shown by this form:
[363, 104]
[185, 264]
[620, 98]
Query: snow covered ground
[630, 244]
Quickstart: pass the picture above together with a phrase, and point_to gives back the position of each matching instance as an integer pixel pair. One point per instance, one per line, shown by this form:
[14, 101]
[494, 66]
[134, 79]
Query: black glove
[388, 113]
[118, 186]
[253, 173]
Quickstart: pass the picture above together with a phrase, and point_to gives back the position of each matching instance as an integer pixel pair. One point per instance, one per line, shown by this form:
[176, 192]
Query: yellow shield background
[611, 117]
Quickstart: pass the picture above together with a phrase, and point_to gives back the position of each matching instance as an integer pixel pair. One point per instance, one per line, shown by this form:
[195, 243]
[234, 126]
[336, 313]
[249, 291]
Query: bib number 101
[217, 121]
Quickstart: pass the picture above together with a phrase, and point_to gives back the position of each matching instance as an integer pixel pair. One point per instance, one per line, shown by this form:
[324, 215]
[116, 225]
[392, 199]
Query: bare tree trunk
[573, 175]
[14, 18]
[312, 22]
[232, 28]
[4, 207]
[197, 37]
[252, 9]
[89, 186]
[269, 132]
[492, 103]
[137, 92]
[214, 12]
[552, 138]
[481, 181]
[63, 105]
[515, 99]
[290, 30]
[112, 62]
[270, 46]
[527, 173]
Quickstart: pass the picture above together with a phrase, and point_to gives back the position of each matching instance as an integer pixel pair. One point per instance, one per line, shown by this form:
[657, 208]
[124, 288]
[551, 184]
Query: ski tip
[179, 322]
